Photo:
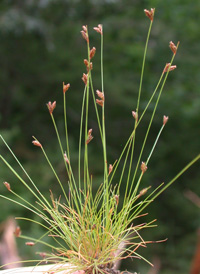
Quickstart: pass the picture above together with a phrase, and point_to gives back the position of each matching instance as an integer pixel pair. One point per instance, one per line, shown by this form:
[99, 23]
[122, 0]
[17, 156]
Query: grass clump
[91, 231]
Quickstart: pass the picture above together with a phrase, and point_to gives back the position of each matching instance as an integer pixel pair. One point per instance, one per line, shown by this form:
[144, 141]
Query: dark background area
[41, 46]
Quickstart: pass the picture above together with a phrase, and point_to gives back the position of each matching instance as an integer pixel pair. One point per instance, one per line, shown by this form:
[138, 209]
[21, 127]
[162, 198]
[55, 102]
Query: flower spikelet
[169, 67]
[30, 243]
[36, 143]
[65, 87]
[66, 158]
[90, 137]
[51, 106]
[7, 185]
[100, 102]
[173, 47]
[110, 169]
[84, 33]
[150, 13]
[101, 96]
[143, 191]
[85, 78]
[92, 52]
[165, 119]
[17, 232]
[99, 29]
[135, 115]
[117, 199]
[143, 167]
[88, 65]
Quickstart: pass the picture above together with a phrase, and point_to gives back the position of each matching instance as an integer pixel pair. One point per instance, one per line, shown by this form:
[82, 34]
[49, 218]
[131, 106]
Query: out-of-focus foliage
[41, 47]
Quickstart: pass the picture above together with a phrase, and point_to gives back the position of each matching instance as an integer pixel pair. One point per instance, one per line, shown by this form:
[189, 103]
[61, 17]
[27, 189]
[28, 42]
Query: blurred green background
[41, 46]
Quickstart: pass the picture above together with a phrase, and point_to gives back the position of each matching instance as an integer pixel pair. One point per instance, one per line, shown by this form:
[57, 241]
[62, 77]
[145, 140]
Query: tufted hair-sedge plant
[91, 232]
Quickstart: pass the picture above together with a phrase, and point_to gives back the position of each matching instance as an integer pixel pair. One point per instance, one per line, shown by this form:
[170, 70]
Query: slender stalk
[66, 130]
[143, 66]
[17, 160]
[96, 110]
[86, 167]
[80, 136]
[133, 133]
[20, 204]
[103, 116]
[168, 184]
[68, 168]
[22, 181]
[147, 161]
[148, 129]
[52, 168]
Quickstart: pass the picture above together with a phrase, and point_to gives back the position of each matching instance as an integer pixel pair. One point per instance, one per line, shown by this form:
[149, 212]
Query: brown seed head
[169, 67]
[36, 143]
[143, 191]
[84, 33]
[85, 36]
[173, 47]
[85, 78]
[135, 115]
[7, 185]
[89, 67]
[100, 102]
[165, 119]
[42, 254]
[66, 159]
[110, 169]
[90, 137]
[99, 29]
[100, 94]
[150, 13]
[143, 167]
[17, 232]
[30, 243]
[172, 67]
[85, 62]
[84, 28]
[51, 106]
[92, 52]
[90, 132]
[65, 87]
[117, 199]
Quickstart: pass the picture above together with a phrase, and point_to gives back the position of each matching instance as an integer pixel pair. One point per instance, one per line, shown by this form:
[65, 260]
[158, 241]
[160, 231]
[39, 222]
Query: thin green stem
[155, 143]
[66, 129]
[143, 66]
[103, 116]
[52, 168]
[86, 164]
[20, 204]
[68, 167]
[80, 136]
[95, 105]
[134, 130]
[17, 160]
[147, 132]
[168, 184]
[23, 182]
